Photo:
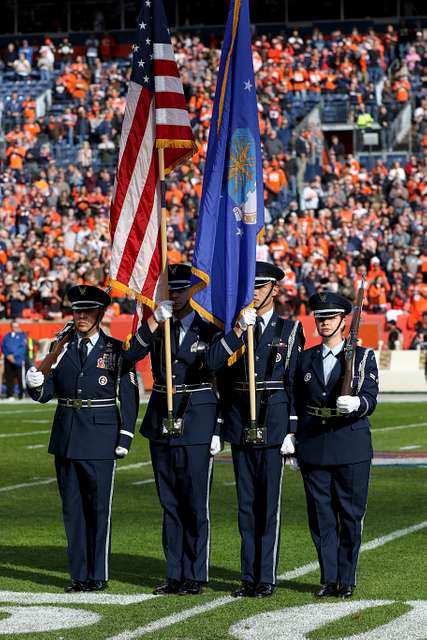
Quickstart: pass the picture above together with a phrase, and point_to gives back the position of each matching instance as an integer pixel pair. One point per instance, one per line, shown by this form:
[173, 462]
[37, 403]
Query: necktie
[83, 347]
[177, 331]
[258, 331]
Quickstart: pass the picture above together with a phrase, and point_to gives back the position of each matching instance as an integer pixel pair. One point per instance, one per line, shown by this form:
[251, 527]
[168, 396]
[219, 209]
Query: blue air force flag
[232, 206]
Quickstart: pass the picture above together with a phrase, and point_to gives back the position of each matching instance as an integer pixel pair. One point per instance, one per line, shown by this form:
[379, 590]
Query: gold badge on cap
[82, 290]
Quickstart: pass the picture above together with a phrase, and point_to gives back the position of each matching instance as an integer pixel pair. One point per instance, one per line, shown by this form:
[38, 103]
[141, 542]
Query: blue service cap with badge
[87, 296]
[266, 273]
[327, 304]
[179, 276]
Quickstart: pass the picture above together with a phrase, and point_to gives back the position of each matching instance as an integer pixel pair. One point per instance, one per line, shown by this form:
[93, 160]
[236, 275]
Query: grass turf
[32, 541]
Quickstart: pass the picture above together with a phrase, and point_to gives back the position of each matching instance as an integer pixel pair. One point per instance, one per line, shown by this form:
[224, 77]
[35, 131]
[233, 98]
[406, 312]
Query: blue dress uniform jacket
[199, 409]
[258, 468]
[97, 410]
[334, 452]
[182, 465]
[334, 440]
[280, 345]
[91, 433]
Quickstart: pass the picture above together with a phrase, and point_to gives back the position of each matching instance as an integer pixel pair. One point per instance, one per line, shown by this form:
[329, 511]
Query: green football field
[390, 601]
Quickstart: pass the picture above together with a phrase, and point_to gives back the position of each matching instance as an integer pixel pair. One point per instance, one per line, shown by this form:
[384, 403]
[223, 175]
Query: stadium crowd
[329, 219]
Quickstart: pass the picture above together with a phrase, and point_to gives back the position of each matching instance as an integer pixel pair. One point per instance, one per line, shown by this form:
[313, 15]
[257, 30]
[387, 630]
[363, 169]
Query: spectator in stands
[10, 56]
[27, 51]
[65, 51]
[394, 338]
[92, 45]
[22, 67]
[107, 150]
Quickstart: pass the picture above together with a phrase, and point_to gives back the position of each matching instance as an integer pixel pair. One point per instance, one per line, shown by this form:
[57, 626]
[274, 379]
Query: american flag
[156, 116]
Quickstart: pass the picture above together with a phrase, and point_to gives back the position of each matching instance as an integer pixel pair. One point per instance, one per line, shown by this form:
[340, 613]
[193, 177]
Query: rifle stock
[351, 343]
[65, 335]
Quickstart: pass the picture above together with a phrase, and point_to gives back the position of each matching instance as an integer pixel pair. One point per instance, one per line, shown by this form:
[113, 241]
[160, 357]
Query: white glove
[164, 311]
[247, 318]
[34, 378]
[348, 404]
[293, 463]
[288, 446]
[216, 445]
[121, 452]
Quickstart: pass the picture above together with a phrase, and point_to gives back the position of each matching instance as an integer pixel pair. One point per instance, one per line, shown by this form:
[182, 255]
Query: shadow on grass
[145, 571]
[299, 586]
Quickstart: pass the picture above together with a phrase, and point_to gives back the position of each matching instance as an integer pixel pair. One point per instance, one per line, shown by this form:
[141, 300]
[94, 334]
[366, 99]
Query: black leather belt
[184, 388]
[261, 385]
[78, 403]
[324, 412]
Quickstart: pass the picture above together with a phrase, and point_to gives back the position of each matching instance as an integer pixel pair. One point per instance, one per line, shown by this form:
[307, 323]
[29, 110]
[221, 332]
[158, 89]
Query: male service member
[94, 424]
[259, 453]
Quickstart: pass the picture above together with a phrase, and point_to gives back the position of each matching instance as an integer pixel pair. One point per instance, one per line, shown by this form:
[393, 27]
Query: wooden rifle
[62, 337]
[351, 343]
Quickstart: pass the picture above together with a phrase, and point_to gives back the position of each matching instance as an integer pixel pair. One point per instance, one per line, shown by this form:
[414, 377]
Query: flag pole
[251, 376]
[166, 326]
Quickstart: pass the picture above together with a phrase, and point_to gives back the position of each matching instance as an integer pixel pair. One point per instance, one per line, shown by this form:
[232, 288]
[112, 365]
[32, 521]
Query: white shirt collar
[93, 339]
[266, 317]
[187, 321]
[335, 351]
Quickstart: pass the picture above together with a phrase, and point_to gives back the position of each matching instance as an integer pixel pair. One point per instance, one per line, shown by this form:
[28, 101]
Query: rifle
[62, 337]
[351, 343]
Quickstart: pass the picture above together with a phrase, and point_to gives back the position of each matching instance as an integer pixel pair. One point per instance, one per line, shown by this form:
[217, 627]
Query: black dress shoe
[76, 586]
[246, 590]
[345, 591]
[190, 588]
[97, 585]
[264, 590]
[327, 591]
[168, 587]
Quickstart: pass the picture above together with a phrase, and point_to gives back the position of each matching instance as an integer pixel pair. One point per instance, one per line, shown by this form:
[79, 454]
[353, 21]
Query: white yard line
[367, 546]
[149, 481]
[400, 426]
[24, 485]
[29, 410]
[25, 433]
[136, 465]
[24, 597]
[36, 446]
[175, 618]
[409, 447]
[399, 462]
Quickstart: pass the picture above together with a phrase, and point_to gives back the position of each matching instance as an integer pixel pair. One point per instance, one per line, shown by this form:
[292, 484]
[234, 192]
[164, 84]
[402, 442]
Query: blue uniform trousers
[259, 473]
[336, 504]
[86, 489]
[183, 477]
